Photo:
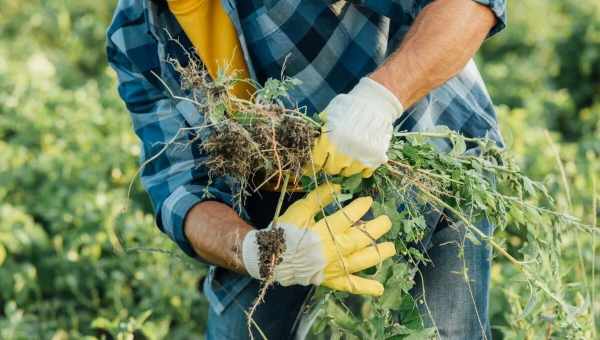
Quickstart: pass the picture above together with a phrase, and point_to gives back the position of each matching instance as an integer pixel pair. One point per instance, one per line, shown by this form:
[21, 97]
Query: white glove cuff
[250, 254]
[303, 260]
[369, 90]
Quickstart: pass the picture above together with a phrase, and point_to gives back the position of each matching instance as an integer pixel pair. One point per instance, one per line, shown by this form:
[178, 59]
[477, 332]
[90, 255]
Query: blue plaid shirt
[328, 46]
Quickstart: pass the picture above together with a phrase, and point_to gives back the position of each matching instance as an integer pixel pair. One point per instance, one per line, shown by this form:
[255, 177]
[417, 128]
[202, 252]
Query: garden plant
[261, 141]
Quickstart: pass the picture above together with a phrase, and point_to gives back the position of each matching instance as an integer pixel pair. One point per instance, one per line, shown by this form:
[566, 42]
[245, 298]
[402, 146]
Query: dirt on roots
[264, 148]
[271, 246]
[231, 151]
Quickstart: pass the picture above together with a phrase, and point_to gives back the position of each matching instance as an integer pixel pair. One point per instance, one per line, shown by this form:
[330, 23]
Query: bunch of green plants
[474, 179]
[464, 188]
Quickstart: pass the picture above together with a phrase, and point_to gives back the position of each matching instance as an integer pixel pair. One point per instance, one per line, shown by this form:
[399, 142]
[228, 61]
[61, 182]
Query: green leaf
[516, 214]
[401, 276]
[423, 334]
[408, 313]
[352, 183]
[528, 185]
[217, 114]
[377, 208]
[319, 325]
[2, 254]
[142, 318]
[392, 297]
[342, 197]
[339, 316]
[471, 237]
[103, 323]
[532, 303]
[459, 147]
[378, 324]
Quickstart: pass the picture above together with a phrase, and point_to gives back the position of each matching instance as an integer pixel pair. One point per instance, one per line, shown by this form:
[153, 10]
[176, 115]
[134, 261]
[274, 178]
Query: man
[368, 65]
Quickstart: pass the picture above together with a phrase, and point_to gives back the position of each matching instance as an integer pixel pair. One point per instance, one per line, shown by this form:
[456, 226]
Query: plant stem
[518, 264]
[269, 280]
[594, 225]
[471, 227]
[286, 179]
[567, 188]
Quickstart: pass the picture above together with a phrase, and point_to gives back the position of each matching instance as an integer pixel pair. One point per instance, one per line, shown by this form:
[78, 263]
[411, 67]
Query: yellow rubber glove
[329, 251]
[326, 156]
[215, 39]
[357, 132]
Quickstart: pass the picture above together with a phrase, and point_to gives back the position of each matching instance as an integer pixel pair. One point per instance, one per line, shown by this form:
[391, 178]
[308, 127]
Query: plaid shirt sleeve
[173, 176]
[498, 7]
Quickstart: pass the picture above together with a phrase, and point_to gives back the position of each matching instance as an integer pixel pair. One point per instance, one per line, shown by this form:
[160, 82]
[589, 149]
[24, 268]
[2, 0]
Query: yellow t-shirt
[212, 33]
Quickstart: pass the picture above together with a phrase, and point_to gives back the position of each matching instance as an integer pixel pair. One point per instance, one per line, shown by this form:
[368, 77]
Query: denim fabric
[454, 303]
[277, 317]
[456, 306]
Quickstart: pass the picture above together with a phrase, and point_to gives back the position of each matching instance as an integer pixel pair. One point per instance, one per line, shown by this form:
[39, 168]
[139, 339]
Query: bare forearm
[216, 233]
[444, 36]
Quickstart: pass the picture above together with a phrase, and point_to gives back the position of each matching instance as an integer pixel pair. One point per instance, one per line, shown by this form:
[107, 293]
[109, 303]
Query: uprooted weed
[254, 140]
[257, 142]
[231, 151]
[260, 140]
[264, 149]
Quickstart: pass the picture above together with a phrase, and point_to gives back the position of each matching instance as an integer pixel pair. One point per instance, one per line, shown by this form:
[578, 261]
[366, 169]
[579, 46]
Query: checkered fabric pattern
[328, 46]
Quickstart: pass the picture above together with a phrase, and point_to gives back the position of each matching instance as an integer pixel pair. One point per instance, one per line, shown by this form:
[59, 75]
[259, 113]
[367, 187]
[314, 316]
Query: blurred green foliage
[543, 73]
[76, 254]
[67, 154]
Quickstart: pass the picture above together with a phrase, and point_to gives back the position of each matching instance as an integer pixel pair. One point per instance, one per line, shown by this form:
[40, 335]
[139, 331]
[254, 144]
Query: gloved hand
[326, 252]
[357, 132]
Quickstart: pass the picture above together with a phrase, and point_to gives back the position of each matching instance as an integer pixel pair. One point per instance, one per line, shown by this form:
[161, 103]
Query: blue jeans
[456, 306]
[454, 303]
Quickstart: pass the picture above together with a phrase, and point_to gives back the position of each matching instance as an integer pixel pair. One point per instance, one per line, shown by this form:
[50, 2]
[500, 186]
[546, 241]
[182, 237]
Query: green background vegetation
[78, 258]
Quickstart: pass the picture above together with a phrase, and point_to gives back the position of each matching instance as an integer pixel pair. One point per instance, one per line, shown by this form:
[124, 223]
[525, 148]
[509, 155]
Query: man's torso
[329, 47]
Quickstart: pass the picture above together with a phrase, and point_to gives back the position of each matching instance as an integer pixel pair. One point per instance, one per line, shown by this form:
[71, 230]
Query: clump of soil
[231, 151]
[296, 137]
[265, 148]
[271, 246]
[254, 141]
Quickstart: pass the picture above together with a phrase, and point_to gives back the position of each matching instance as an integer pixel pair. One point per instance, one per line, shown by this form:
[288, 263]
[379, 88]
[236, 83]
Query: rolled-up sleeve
[172, 160]
[498, 7]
